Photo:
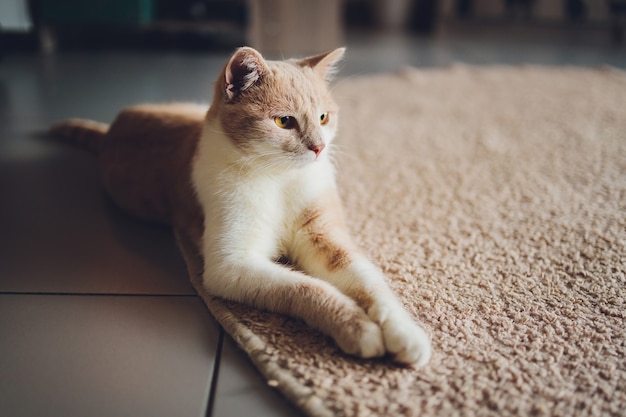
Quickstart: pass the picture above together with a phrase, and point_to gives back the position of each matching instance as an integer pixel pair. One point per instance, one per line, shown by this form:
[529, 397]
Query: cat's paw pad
[406, 341]
[361, 337]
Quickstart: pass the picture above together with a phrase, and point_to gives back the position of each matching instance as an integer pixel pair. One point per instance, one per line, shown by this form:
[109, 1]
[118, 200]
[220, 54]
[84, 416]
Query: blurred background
[286, 28]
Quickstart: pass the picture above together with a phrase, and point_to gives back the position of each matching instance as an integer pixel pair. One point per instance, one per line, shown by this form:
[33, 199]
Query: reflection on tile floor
[105, 355]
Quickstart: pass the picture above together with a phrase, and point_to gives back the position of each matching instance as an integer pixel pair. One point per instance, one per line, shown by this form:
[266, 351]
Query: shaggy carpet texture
[495, 201]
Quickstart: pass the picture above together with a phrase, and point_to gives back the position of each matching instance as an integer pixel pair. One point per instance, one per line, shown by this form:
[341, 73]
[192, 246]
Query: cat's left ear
[325, 65]
[244, 69]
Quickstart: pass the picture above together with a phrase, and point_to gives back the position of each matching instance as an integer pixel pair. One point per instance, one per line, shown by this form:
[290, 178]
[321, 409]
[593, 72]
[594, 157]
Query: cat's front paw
[408, 343]
[360, 336]
[404, 339]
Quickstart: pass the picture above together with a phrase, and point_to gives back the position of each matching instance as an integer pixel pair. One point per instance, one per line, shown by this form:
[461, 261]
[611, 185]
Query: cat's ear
[244, 69]
[325, 65]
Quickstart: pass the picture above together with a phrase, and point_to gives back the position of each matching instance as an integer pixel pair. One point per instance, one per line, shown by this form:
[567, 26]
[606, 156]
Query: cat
[248, 182]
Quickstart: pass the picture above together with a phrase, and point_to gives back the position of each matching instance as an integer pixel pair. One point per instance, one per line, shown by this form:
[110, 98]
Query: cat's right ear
[325, 65]
[244, 69]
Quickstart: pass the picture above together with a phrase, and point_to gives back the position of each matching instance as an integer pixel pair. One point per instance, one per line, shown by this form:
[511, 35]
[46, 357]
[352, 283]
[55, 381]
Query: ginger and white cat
[250, 182]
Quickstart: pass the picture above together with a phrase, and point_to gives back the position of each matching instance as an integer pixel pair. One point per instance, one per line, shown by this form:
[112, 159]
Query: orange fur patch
[336, 257]
[320, 225]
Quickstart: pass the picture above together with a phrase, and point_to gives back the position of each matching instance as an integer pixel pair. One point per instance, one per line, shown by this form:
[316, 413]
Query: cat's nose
[317, 148]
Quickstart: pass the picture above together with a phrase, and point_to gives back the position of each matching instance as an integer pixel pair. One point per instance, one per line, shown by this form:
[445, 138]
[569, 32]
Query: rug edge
[290, 387]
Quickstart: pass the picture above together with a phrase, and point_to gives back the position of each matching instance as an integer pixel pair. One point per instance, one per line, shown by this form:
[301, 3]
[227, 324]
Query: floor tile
[105, 356]
[61, 233]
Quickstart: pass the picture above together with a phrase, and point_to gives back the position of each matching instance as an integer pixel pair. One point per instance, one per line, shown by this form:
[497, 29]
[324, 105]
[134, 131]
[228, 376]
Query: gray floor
[96, 315]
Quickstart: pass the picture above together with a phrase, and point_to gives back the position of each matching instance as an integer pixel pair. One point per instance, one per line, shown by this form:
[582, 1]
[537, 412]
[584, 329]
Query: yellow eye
[285, 122]
[324, 118]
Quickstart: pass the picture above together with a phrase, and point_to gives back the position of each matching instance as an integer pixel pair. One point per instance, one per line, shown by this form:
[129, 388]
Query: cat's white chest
[256, 217]
[250, 214]
[271, 207]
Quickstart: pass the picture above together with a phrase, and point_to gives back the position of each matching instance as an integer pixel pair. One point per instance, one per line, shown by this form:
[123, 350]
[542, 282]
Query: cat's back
[146, 157]
[157, 123]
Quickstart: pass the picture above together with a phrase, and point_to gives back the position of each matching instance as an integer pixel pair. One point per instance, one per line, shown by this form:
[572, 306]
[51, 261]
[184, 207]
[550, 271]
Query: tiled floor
[96, 315]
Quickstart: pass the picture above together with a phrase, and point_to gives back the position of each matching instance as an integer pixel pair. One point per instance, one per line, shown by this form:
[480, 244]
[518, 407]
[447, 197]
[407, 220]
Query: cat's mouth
[306, 157]
[303, 156]
[306, 150]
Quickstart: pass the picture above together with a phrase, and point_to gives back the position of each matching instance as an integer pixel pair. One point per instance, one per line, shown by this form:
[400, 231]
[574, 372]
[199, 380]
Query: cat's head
[278, 111]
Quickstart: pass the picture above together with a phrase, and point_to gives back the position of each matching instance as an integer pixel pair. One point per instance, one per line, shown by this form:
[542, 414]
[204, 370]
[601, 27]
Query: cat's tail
[81, 133]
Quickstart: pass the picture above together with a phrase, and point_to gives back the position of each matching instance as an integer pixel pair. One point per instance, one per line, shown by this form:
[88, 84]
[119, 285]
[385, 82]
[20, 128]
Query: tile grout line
[215, 376]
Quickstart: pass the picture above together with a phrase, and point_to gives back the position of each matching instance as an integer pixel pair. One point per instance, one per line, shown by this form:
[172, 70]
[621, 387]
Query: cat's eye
[285, 122]
[324, 118]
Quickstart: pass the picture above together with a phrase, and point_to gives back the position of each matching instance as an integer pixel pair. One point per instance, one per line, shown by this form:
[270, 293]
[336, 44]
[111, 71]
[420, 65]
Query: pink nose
[317, 149]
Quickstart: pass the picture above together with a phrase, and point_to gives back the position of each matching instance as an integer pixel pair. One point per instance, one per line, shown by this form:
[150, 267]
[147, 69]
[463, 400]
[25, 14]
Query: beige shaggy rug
[495, 201]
